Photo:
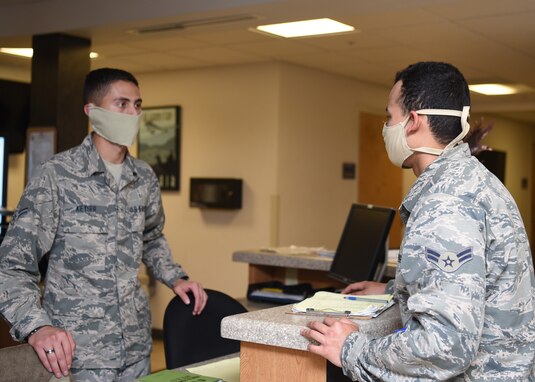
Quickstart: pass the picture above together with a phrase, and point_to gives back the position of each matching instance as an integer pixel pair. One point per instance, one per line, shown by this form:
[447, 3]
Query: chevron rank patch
[448, 261]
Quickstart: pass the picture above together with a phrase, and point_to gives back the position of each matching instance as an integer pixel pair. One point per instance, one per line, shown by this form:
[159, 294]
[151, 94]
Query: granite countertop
[299, 261]
[276, 327]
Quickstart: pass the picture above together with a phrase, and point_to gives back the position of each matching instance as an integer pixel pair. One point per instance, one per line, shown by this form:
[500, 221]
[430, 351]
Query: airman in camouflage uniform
[97, 230]
[465, 284]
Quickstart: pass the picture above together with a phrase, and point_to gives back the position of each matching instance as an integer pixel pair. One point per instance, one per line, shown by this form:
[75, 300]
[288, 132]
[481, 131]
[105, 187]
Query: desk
[272, 348]
[291, 269]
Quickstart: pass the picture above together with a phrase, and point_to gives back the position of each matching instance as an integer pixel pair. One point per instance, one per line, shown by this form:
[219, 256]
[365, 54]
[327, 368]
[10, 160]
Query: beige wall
[516, 139]
[318, 132]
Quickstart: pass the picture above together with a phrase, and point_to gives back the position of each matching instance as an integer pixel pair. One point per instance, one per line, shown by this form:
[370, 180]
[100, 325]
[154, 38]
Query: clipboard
[342, 305]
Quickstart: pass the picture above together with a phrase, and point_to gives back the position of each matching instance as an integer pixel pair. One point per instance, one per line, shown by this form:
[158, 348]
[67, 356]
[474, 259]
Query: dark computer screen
[362, 246]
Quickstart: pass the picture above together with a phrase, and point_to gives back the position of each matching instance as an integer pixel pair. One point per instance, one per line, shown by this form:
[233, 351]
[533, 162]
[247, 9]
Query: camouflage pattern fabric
[97, 232]
[464, 284]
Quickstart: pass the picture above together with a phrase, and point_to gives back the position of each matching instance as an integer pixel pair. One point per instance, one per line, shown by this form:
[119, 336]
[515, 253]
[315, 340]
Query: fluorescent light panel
[493, 89]
[306, 28]
[28, 52]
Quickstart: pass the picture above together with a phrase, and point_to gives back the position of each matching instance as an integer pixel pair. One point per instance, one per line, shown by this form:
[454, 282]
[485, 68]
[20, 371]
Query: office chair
[190, 339]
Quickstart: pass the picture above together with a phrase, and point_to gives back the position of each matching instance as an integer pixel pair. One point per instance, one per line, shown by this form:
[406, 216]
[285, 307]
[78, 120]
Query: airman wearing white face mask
[464, 283]
[97, 211]
[396, 140]
[119, 128]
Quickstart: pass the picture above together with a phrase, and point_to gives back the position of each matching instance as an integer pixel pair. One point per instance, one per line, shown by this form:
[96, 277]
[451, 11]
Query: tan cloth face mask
[119, 128]
[395, 139]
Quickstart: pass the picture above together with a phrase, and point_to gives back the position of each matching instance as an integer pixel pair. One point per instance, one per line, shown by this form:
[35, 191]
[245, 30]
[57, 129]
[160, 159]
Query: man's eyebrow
[126, 99]
[122, 99]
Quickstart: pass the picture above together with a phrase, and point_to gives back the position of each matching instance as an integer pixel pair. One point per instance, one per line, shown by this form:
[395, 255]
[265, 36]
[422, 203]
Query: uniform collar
[96, 164]
[430, 176]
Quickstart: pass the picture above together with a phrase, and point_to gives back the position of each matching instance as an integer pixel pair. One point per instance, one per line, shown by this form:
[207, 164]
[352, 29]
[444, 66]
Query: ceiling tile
[155, 43]
[462, 9]
[115, 49]
[520, 37]
[218, 55]
[275, 48]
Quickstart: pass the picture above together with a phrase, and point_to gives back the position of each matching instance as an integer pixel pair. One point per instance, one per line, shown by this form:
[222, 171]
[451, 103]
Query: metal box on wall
[222, 193]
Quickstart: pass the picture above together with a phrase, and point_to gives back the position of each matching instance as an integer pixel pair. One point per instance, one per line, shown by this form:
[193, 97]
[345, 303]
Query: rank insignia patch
[448, 261]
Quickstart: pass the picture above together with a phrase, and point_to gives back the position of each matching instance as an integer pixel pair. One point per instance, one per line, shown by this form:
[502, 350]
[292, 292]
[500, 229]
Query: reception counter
[291, 269]
[272, 348]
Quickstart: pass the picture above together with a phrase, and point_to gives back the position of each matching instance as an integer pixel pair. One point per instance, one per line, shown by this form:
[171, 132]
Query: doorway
[379, 181]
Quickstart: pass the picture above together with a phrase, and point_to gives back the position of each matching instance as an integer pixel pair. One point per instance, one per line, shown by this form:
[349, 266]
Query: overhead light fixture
[306, 28]
[28, 52]
[23, 52]
[493, 89]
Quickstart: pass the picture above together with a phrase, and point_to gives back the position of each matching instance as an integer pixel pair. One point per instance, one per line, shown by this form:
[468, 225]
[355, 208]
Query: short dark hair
[435, 85]
[98, 81]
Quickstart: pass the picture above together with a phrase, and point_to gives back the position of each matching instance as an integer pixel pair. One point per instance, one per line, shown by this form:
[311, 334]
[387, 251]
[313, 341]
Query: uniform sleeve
[28, 238]
[156, 252]
[440, 283]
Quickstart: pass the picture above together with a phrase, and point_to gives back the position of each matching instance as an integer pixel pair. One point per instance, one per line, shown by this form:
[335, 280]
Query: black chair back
[190, 339]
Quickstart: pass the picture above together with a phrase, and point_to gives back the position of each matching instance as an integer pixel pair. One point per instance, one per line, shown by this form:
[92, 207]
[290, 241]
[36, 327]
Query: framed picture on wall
[159, 144]
[40, 146]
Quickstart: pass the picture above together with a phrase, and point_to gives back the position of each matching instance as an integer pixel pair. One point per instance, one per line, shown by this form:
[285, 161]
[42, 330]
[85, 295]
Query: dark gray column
[59, 65]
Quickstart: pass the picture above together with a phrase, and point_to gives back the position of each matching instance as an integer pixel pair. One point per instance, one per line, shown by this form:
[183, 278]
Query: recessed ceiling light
[306, 28]
[23, 52]
[493, 89]
[28, 52]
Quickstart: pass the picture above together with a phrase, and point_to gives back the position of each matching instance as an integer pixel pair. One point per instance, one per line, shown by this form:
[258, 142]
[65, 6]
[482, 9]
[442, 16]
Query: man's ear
[415, 123]
[86, 108]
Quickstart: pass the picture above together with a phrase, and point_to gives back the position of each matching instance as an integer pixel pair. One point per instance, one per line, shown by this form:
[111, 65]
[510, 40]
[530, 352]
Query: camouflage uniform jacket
[97, 233]
[464, 284]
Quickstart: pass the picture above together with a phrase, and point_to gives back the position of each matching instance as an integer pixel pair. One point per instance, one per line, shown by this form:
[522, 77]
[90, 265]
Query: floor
[157, 357]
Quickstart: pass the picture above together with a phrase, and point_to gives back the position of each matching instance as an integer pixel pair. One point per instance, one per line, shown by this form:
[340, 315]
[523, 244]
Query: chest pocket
[135, 212]
[85, 232]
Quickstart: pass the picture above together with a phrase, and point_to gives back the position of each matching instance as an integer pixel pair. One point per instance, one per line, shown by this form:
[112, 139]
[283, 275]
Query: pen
[365, 299]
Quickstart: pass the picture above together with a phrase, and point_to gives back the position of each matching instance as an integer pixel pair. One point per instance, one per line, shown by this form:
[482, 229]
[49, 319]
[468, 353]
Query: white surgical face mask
[395, 139]
[119, 128]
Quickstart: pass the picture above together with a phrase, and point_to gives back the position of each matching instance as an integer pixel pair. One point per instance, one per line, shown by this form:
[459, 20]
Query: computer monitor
[361, 251]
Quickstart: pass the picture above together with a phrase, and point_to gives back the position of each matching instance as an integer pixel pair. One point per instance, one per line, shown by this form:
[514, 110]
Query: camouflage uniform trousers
[126, 374]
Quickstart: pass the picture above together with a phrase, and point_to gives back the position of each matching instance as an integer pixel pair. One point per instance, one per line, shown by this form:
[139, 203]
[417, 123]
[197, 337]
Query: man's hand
[55, 348]
[182, 287]
[365, 287]
[330, 336]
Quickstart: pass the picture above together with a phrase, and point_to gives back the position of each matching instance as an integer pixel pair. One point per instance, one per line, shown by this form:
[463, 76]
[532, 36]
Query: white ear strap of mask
[452, 113]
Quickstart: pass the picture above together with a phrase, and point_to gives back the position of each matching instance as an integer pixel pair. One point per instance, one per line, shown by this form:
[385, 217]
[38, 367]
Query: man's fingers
[72, 343]
[63, 359]
[202, 300]
[317, 326]
[68, 352]
[54, 363]
[316, 349]
[44, 360]
[183, 295]
[199, 297]
[313, 334]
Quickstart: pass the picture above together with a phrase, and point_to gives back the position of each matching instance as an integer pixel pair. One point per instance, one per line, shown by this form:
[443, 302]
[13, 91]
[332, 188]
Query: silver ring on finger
[49, 351]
